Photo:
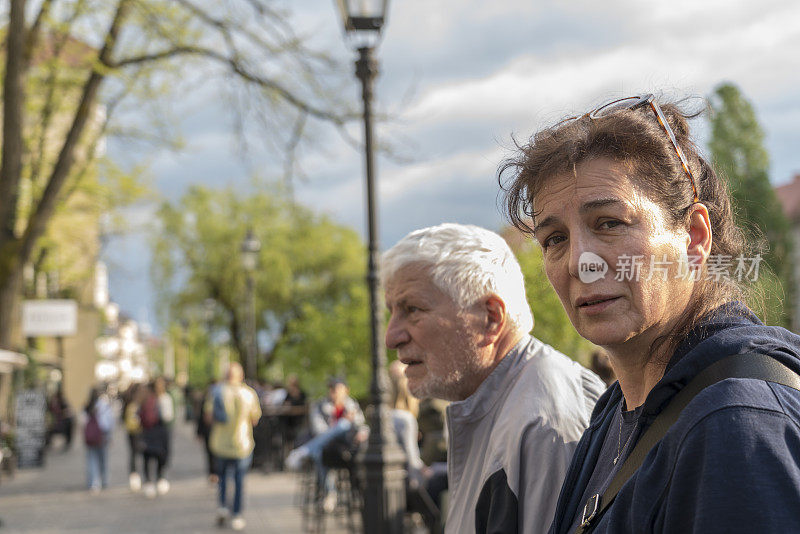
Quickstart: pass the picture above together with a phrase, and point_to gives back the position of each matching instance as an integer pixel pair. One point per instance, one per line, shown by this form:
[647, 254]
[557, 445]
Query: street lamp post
[209, 306]
[384, 460]
[250, 248]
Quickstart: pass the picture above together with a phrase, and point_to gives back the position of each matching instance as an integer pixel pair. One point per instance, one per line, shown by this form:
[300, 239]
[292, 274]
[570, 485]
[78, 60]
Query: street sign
[49, 318]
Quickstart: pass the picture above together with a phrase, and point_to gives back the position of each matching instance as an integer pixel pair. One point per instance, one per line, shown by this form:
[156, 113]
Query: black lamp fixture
[384, 460]
[362, 15]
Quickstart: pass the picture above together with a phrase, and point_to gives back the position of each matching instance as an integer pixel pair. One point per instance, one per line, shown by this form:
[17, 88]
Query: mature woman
[639, 243]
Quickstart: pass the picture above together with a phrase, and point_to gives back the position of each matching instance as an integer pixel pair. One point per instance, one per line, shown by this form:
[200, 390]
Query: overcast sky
[460, 77]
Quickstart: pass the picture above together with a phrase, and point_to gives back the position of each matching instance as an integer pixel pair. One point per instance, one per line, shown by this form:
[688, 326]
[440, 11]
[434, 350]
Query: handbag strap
[748, 365]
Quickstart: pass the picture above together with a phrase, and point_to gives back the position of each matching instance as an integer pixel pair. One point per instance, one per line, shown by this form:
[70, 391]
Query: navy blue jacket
[730, 463]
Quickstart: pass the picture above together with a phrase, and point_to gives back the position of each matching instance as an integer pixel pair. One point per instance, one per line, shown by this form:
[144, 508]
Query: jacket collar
[485, 397]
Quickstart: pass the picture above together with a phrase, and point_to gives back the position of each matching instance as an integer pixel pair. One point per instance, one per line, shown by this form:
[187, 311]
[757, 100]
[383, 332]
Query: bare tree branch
[291, 152]
[34, 34]
[239, 69]
[46, 204]
[52, 91]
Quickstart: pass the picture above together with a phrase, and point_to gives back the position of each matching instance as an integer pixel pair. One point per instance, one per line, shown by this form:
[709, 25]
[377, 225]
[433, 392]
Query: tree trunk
[11, 170]
[17, 251]
[9, 305]
[13, 101]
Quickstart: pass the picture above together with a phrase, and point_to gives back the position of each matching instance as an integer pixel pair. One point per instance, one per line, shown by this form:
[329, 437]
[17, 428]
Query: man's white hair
[466, 262]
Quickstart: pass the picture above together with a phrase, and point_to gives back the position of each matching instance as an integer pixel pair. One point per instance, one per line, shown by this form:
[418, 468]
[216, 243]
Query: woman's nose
[576, 250]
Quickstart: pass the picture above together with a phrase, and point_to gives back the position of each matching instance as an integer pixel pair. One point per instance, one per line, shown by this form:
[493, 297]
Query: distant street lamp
[384, 460]
[250, 247]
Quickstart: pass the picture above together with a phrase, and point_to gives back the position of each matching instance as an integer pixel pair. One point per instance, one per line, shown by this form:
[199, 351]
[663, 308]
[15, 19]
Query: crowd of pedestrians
[147, 412]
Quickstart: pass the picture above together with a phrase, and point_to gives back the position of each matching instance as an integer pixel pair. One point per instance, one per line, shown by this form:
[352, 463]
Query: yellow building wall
[80, 357]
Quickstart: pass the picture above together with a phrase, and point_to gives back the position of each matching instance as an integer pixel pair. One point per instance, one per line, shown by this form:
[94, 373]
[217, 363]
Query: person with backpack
[232, 410]
[130, 416]
[99, 422]
[203, 432]
[155, 414]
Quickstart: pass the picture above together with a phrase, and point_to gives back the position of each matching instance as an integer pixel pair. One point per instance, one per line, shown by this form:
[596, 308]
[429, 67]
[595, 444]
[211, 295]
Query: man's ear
[699, 234]
[496, 316]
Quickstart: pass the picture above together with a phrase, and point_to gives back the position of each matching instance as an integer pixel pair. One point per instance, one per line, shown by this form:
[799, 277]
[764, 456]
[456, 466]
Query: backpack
[218, 412]
[92, 434]
[131, 418]
[148, 412]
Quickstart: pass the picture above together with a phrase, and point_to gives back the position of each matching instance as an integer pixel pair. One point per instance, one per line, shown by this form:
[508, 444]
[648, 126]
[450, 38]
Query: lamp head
[363, 20]
[250, 248]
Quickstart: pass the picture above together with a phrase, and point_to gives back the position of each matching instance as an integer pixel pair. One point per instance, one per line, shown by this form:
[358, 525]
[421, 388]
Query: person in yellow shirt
[232, 410]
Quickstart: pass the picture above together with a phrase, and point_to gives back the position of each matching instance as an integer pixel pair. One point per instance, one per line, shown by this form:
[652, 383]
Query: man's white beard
[465, 363]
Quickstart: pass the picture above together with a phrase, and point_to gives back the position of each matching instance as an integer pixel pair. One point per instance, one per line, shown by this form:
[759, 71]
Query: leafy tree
[330, 340]
[145, 50]
[552, 325]
[737, 146]
[310, 300]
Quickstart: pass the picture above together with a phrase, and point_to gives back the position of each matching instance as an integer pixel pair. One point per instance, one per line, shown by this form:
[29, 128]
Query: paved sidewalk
[53, 499]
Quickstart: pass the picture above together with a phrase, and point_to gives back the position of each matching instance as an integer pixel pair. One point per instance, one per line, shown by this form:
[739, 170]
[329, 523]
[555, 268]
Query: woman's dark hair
[635, 140]
[94, 394]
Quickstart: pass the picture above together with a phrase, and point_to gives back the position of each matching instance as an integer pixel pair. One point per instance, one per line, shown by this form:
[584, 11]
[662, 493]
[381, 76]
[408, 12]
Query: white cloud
[464, 166]
[757, 51]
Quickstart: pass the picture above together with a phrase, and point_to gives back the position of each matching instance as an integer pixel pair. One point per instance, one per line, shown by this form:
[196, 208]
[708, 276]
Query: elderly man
[460, 321]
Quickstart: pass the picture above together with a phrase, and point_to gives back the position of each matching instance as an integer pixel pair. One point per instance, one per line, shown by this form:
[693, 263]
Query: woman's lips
[597, 305]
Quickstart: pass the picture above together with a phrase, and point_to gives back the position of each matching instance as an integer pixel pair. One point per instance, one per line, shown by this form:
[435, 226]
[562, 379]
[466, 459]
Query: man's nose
[396, 333]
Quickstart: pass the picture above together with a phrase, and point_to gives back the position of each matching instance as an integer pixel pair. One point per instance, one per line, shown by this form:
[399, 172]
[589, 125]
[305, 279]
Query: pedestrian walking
[98, 424]
[133, 399]
[203, 432]
[61, 418]
[155, 413]
[232, 411]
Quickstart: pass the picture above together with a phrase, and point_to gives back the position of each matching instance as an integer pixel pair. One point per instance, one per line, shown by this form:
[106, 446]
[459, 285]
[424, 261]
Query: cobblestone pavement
[53, 499]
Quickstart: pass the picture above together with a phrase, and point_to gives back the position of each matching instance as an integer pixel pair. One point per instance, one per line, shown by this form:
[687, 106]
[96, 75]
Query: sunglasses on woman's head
[635, 102]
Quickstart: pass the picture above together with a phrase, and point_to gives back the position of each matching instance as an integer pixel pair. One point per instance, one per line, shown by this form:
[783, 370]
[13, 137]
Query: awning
[12, 360]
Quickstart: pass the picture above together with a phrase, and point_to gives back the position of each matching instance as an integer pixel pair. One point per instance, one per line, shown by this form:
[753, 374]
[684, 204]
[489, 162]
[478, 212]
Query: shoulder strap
[749, 365]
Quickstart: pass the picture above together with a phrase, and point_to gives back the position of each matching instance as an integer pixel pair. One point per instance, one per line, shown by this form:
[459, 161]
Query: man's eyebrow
[550, 220]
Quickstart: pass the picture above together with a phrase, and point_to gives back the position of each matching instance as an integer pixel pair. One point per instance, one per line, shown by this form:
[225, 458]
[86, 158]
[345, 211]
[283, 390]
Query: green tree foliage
[311, 302]
[737, 147]
[330, 340]
[551, 322]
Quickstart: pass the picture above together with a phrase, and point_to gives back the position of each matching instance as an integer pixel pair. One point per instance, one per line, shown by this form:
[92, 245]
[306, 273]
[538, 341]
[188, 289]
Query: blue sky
[459, 78]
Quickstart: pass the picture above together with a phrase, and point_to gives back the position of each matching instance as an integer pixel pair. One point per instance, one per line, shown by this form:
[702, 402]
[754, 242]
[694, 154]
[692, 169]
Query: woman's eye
[552, 240]
[609, 224]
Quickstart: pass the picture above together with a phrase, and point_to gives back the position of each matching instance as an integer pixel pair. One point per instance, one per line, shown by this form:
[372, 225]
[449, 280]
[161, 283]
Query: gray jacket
[321, 418]
[512, 440]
